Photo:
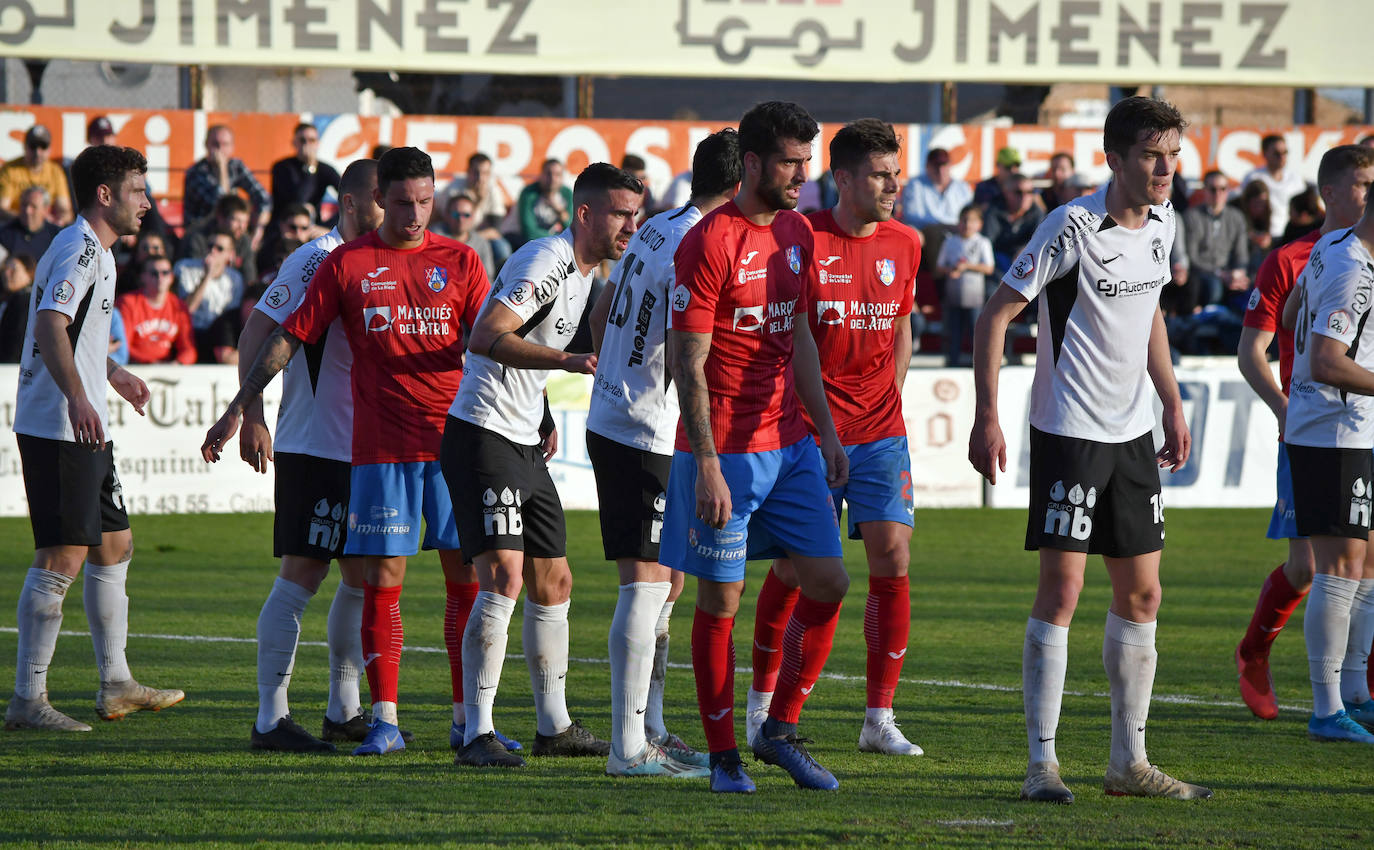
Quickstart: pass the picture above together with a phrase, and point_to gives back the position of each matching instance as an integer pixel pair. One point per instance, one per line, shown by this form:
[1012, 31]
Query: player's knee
[1143, 603]
[785, 571]
[829, 586]
[891, 562]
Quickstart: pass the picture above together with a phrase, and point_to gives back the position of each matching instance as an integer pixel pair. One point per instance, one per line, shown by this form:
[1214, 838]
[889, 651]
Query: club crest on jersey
[64, 291]
[793, 255]
[1024, 267]
[437, 278]
[1157, 250]
[887, 271]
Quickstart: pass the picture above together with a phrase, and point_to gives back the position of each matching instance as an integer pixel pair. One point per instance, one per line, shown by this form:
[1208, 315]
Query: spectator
[492, 207]
[936, 197]
[459, 221]
[544, 207]
[29, 233]
[1217, 248]
[16, 286]
[1011, 222]
[295, 223]
[35, 169]
[991, 192]
[157, 322]
[378, 150]
[1368, 141]
[1254, 205]
[212, 290]
[302, 179]
[147, 244]
[100, 132]
[1281, 181]
[1305, 214]
[965, 262]
[220, 174]
[1063, 187]
[679, 192]
[119, 342]
[635, 164]
[232, 216]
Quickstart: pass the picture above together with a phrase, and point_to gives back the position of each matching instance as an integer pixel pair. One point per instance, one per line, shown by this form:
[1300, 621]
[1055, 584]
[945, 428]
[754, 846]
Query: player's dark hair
[858, 140]
[359, 178]
[1269, 141]
[763, 128]
[633, 162]
[716, 164]
[228, 205]
[1135, 117]
[600, 179]
[104, 165]
[1341, 160]
[403, 164]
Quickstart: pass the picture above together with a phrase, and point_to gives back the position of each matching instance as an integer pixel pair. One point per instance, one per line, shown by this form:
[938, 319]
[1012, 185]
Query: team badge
[437, 278]
[887, 271]
[824, 276]
[63, 293]
[793, 255]
[1157, 250]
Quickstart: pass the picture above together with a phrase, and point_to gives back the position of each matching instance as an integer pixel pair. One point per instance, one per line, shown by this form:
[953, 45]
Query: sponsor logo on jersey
[1339, 321]
[501, 513]
[277, 296]
[887, 271]
[830, 312]
[681, 297]
[1067, 513]
[1024, 268]
[749, 319]
[63, 292]
[749, 258]
[1128, 288]
[87, 252]
[376, 319]
[436, 278]
[1157, 252]
[1254, 299]
[372, 284]
[1359, 502]
[377, 524]
[828, 260]
[793, 254]
[821, 276]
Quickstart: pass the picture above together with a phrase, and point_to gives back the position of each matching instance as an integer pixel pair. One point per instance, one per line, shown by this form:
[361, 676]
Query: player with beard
[861, 319]
[76, 504]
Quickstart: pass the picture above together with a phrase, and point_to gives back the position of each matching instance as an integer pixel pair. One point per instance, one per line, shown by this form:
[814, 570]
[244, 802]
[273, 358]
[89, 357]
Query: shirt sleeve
[321, 304]
[1344, 301]
[908, 280]
[1271, 290]
[71, 275]
[477, 289]
[699, 270]
[1053, 248]
[288, 287]
[530, 282]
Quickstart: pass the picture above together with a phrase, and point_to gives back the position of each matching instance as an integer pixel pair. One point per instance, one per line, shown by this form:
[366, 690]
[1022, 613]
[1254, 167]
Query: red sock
[713, 662]
[805, 648]
[458, 600]
[1276, 603]
[382, 639]
[774, 609]
[887, 626]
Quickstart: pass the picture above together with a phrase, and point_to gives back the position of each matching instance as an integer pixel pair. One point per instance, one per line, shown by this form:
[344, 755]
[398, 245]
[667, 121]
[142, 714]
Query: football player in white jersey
[312, 454]
[494, 458]
[76, 504]
[1328, 434]
[630, 430]
[1097, 265]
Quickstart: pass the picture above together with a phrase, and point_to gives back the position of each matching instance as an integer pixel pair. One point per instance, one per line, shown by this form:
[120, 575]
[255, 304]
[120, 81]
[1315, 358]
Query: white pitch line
[1172, 699]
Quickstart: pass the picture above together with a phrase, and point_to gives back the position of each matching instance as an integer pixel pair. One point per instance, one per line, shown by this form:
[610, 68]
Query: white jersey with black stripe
[1099, 286]
[316, 415]
[1336, 291]
[631, 400]
[75, 277]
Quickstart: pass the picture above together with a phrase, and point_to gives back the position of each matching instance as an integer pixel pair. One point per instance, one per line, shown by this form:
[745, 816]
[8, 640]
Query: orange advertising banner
[174, 139]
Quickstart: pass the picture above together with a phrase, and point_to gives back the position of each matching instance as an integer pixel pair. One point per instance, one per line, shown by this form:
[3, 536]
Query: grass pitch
[185, 777]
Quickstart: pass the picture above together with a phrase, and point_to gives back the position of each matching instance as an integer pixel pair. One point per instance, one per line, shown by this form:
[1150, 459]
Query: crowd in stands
[184, 293]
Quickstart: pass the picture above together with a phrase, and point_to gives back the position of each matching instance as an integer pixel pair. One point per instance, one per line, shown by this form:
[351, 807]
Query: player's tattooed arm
[687, 354]
[272, 358]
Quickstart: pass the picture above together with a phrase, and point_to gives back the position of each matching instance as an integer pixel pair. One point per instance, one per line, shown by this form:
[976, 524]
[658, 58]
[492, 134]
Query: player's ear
[753, 165]
[1114, 161]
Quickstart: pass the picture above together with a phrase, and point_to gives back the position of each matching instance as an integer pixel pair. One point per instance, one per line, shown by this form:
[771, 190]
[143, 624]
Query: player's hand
[85, 422]
[219, 434]
[713, 496]
[255, 445]
[581, 363]
[987, 449]
[1178, 443]
[836, 462]
[549, 445]
[131, 388]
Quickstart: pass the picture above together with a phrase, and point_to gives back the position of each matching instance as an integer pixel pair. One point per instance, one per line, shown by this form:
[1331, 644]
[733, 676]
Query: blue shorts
[386, 503]
[1284, 524]
[879, 486]
[776, 510]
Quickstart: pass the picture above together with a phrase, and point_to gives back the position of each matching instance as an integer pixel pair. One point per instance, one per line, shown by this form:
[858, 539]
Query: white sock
[1326, 626]
[631, 645]
[385, 712]
[1129, 657]
[345, 635]
[107, 612]
[757, 701]
[545, 637]
[876, 716]
[279, 630]
[484, 654]
[1354, 678]
[40, 619]
[654, 726]
[1044, 660]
